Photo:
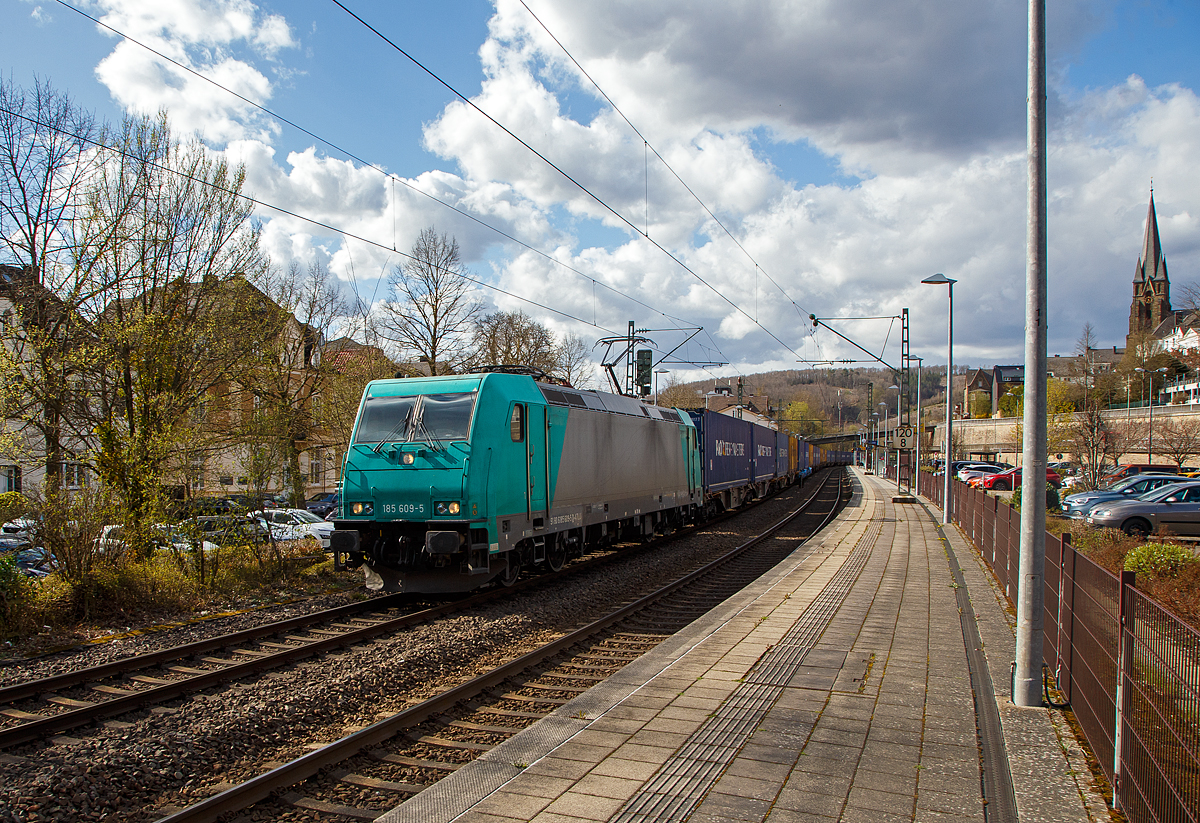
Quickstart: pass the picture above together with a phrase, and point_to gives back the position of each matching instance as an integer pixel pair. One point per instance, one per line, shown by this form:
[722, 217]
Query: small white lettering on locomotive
[724, 448]
[559, 519]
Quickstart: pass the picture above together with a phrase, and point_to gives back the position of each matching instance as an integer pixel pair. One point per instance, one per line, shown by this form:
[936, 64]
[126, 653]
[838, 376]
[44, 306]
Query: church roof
[1151, 264]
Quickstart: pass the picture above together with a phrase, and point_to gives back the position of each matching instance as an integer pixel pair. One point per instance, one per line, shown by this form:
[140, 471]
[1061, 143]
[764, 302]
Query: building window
[74, 475]
[315, 469]
[10, 478]
[197, 473]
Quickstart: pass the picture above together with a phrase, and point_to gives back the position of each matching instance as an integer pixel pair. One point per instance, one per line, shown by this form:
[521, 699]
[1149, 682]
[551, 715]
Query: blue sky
[850, 148]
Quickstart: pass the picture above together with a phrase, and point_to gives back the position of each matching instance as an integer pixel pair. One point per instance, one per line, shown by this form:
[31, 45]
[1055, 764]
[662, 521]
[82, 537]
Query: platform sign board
[903, 438]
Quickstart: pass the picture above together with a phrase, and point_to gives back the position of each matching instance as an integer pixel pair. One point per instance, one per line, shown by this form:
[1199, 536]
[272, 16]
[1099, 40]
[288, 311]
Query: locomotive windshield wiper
[396, 429]
[422, 433]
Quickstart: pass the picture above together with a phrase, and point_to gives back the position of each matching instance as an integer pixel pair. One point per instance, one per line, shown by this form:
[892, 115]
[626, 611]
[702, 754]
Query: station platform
[840, 686]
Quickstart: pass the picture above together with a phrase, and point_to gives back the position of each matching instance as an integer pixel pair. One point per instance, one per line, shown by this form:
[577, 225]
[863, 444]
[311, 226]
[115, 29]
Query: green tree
[177, 317]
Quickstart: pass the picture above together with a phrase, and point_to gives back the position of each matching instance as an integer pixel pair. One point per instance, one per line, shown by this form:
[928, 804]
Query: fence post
[1064, 632]
[1124, 653]
[995, 504]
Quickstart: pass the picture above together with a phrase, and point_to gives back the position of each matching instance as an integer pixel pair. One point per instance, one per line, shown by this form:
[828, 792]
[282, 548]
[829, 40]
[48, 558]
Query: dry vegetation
[1167, 570]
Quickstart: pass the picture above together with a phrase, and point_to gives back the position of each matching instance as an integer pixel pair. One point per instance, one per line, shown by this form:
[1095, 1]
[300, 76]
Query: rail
[1129, 668]
[242, 796]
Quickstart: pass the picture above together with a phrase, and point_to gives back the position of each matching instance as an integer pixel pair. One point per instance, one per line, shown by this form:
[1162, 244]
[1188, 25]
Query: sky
[731, 165]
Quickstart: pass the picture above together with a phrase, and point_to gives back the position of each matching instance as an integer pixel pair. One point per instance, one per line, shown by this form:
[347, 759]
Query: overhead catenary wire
[310, 220]
[599, 201]
[663, 160]
[393, 178]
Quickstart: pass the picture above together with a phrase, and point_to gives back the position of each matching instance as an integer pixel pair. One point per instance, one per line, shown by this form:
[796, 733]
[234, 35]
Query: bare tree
[432, 307]
[674, 393]
[46, 163]
[1179, 439]
[349, 367]
[1095, 442]
[513, 339]
[575, 363]
[286, 372]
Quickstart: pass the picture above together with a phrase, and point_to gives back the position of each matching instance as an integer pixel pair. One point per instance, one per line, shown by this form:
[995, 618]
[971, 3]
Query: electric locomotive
[451, 482]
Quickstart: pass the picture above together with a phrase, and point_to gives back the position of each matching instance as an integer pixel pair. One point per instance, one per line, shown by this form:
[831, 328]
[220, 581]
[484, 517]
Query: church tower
[1151, 288]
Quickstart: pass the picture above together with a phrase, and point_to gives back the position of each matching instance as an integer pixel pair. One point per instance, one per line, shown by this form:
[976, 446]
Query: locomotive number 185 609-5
[403, 508]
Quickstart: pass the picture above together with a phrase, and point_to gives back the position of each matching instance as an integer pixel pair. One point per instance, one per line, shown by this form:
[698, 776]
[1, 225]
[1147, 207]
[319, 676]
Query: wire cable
[310, 220]
[561, 171]
[366, 164]
[663, 160]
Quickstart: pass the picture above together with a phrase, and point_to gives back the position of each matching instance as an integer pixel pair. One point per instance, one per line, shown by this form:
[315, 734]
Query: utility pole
[1027, 676]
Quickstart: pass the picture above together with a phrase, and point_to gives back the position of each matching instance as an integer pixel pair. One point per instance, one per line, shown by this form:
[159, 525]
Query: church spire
[1151, 264]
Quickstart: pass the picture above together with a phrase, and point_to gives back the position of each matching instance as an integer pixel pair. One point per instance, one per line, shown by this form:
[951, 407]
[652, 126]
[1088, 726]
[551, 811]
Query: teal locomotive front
[452, 482]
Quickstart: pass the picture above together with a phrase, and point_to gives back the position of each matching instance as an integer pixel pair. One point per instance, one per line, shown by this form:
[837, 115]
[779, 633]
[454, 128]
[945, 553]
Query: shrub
[12, 506]
[14, 592]
[1053, 502]
[1160, 559]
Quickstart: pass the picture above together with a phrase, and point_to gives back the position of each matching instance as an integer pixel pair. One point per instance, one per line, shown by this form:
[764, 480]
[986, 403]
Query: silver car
[1076, 506]
[1174, 508]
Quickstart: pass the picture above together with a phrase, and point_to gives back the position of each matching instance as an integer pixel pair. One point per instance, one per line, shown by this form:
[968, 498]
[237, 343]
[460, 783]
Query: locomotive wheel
[512, 570]
[556, 553]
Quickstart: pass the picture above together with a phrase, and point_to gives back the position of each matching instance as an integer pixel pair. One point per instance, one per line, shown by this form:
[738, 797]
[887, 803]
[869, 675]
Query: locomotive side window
[517, 424]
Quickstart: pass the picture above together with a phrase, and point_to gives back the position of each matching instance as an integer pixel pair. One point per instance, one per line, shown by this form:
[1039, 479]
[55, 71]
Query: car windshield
[1121, 485]
[306, 517]
[1162, 492]
[423, 418]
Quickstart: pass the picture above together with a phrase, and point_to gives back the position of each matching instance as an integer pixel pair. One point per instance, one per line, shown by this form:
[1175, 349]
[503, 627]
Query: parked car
[31, 561]
[295, 524]
[1076, 506]
[21, 527]
[971, 476]
[166, 538]
[1011, 478]
[324, 504]
[221, 530]
[1174, 507]
[989, 468]
[1130, 469]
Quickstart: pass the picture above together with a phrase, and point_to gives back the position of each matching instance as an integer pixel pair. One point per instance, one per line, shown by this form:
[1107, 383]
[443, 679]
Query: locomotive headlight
[407, 458]
[362, 508]
[447, 507]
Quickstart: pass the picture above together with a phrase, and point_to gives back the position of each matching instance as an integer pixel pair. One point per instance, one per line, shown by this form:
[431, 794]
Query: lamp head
[939, 279]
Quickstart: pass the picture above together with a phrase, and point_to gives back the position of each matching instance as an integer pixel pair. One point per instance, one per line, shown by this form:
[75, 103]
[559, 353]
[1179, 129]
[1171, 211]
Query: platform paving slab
[851, 701]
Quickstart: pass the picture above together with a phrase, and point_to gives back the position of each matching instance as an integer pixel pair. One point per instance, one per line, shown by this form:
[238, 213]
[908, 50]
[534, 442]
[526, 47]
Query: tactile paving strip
[680, 784]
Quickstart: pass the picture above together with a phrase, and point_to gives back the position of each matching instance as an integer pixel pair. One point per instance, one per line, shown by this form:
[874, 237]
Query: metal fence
[1096, 626]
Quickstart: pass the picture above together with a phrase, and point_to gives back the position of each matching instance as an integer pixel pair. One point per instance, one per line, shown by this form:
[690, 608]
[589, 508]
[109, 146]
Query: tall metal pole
[947, 500]
[898, 447]
[1027, 677]
[1150, 424]
[920, 430]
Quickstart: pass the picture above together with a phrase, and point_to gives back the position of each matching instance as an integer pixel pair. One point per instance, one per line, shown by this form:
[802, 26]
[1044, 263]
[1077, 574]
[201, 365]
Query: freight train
[453, 482]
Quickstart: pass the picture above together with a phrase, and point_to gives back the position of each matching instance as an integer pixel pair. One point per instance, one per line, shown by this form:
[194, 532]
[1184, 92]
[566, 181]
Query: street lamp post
[919, 431]
[1150, 399]
[940, 280]
[657, 372]
[875, 444]
[897, 428]
[883, 406]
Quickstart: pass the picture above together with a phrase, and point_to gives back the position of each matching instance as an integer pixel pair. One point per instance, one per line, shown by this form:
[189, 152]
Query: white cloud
[205, 36]
[923, 102]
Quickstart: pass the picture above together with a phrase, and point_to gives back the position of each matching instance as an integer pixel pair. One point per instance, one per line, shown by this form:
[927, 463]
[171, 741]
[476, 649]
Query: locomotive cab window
[516, 424]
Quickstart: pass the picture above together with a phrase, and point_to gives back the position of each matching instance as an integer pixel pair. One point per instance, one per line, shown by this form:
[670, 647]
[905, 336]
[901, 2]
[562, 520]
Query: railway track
[51, 706]
[374, 769]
